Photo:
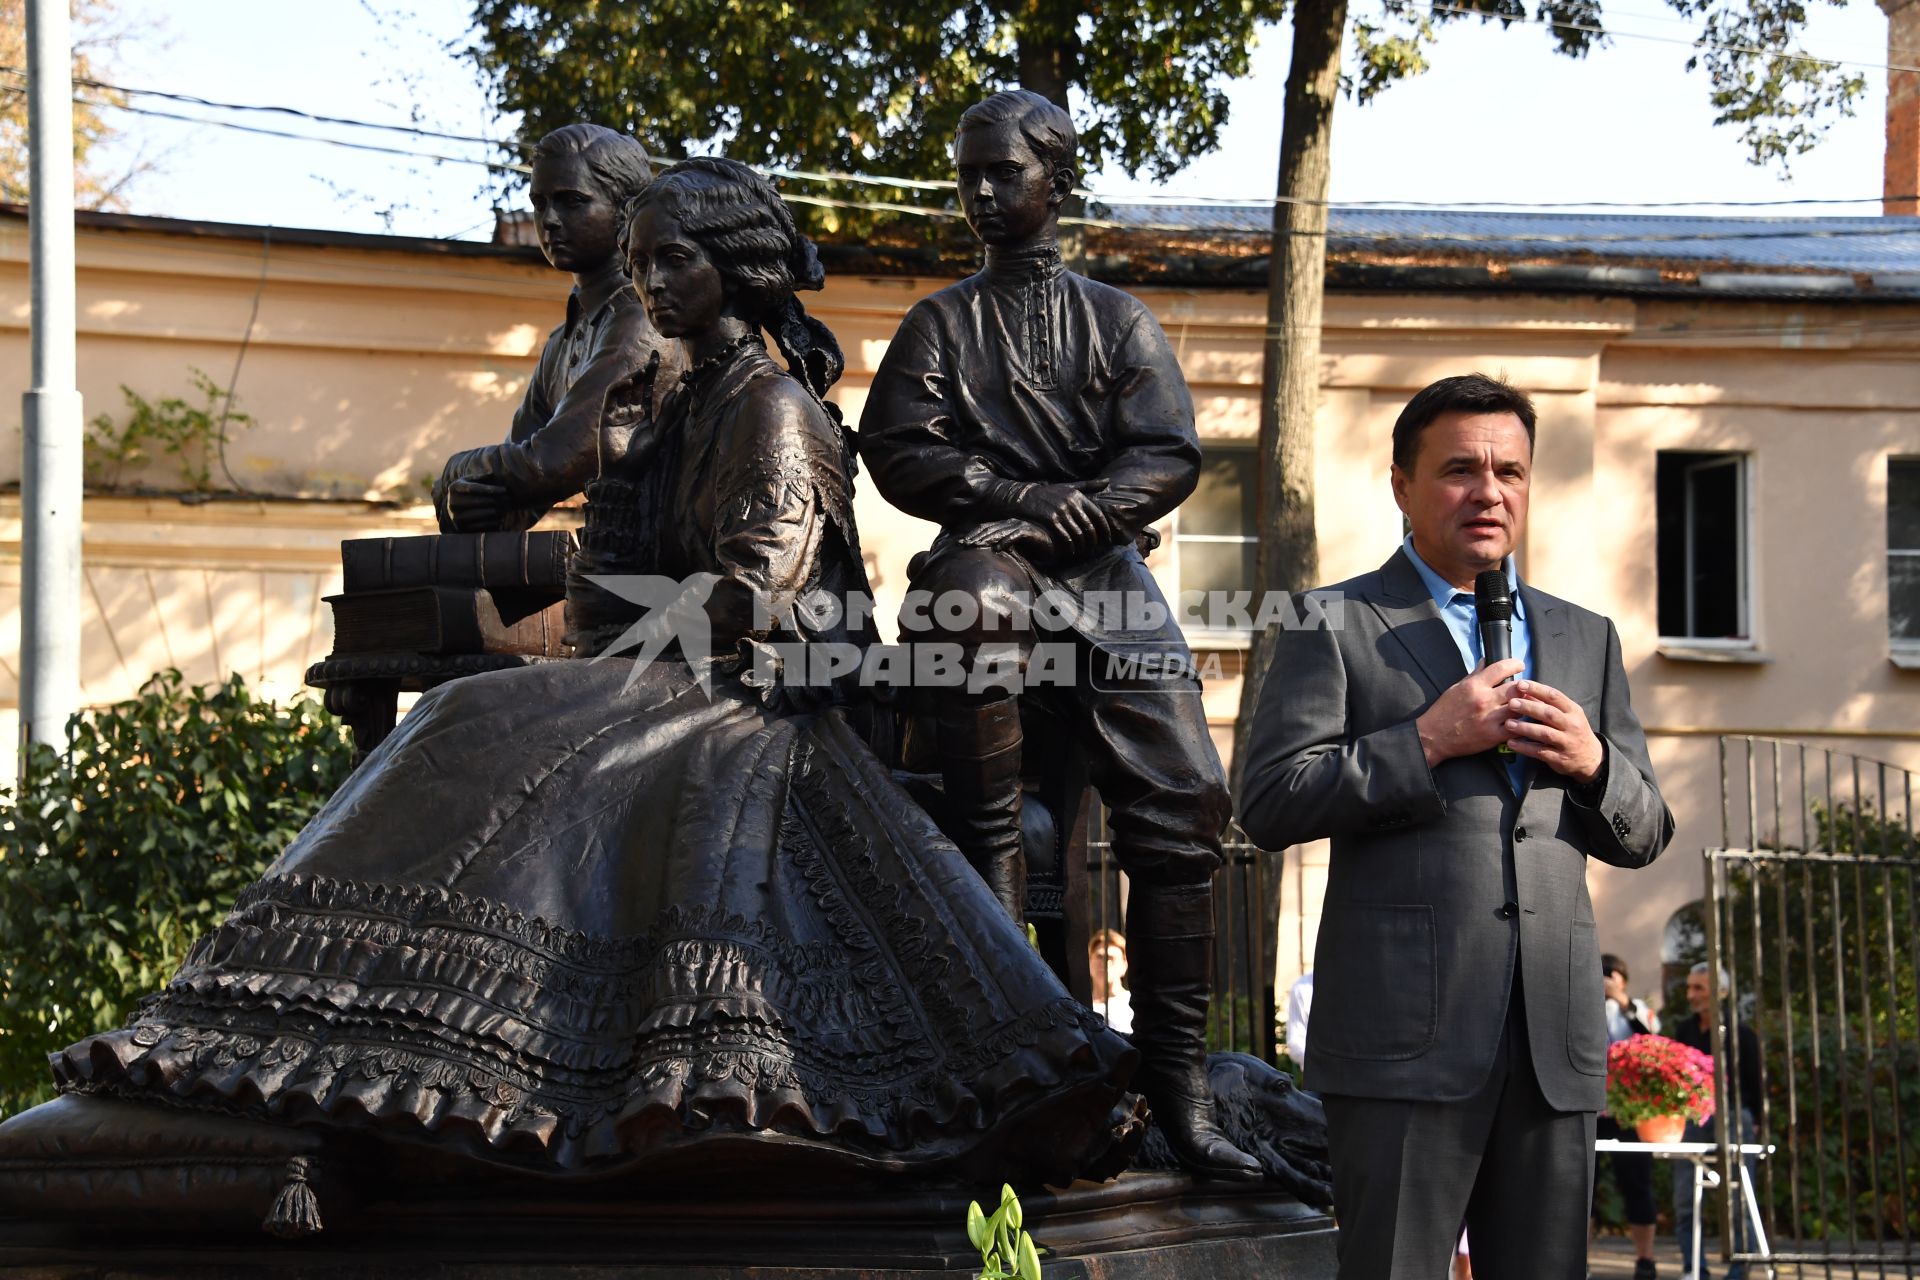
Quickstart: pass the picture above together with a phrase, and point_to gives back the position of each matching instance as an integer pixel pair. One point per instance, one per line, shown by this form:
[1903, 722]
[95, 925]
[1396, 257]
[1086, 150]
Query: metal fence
[1813, 940]
[1242, 1014]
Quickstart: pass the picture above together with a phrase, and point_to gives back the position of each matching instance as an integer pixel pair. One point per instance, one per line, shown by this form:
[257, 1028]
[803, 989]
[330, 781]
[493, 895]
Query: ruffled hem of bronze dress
[455, 1020]
[1057, 1068]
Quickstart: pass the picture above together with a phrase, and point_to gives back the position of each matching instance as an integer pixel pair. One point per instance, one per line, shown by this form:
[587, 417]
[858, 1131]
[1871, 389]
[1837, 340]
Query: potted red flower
[1657, 1085]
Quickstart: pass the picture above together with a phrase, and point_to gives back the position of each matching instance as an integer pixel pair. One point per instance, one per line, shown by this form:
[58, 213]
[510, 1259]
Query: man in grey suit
[1457, 1034]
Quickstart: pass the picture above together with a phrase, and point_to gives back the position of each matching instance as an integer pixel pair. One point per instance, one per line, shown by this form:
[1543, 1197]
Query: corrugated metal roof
[1881, 247]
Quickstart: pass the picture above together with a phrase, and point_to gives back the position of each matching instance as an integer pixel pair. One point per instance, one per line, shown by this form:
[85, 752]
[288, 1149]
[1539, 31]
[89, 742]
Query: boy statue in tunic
[1041, 420]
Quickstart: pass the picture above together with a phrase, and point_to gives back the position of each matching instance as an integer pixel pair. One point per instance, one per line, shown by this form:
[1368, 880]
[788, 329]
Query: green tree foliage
[98, 32]
[116, 854]
[1759, 76]
[865, 87]
[1824, 957]
[846, 86]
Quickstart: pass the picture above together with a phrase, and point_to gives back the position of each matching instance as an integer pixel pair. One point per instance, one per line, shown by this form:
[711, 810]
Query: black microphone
[1493, 601]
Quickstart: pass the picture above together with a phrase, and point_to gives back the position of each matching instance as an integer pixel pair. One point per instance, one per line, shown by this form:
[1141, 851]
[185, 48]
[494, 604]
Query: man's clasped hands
[1490, 709]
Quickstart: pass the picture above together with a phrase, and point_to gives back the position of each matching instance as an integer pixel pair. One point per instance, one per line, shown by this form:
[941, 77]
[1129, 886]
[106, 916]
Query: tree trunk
[1048, 57]
[1047, 54]
[1288, 557]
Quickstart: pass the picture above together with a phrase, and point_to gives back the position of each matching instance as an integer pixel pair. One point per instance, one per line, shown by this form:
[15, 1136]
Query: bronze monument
[658, 923]
[1041, 420]
[584, 175]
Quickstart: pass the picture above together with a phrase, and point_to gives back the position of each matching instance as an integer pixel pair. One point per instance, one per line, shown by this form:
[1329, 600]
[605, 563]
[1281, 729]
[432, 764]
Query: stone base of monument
[1142, 1226]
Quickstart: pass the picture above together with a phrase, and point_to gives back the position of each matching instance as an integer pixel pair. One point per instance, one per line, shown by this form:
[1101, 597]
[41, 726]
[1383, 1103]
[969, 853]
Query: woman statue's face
[683, 289]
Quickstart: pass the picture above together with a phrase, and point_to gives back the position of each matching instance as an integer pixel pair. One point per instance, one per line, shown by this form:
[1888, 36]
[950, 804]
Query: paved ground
[1611, 1258]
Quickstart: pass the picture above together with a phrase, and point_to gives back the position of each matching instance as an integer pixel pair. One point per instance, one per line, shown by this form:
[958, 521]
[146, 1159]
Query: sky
[1498, 118]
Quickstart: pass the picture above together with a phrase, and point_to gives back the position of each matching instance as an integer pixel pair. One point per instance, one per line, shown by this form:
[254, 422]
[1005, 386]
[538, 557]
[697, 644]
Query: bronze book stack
[453, 594]
[498, 561]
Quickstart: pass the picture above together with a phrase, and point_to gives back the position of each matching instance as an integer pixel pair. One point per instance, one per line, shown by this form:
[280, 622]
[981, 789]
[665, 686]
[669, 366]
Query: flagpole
[50, 483]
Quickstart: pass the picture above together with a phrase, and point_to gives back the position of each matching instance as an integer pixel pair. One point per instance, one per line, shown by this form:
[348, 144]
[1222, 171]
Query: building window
[1903, 551]
[1215, 530]
[1703, 546]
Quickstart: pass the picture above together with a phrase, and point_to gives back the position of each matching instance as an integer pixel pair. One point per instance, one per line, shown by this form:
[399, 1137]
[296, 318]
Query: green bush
[116, 854]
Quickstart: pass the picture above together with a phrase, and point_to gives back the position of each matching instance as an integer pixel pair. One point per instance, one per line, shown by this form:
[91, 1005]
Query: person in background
[1693, 1029]
[1632, 1170]
[1107, 962]
[1299, 1010]
[1627, 1015]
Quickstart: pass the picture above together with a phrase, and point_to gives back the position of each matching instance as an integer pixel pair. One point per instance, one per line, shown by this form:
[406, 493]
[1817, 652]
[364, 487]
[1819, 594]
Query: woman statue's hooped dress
[588, 915]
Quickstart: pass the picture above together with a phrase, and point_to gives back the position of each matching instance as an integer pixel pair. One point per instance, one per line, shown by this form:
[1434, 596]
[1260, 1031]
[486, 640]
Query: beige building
[1725, 411]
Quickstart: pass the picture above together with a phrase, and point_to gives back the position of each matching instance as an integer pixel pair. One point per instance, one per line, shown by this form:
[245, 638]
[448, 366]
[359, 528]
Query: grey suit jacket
[1442, 880]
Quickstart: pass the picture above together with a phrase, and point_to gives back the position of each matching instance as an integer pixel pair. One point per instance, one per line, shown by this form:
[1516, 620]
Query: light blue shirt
[1463, 624]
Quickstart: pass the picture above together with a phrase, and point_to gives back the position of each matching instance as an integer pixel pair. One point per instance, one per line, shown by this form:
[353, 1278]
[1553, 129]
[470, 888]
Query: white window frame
[1745, 587]
[1210, 637]
[1904, 652]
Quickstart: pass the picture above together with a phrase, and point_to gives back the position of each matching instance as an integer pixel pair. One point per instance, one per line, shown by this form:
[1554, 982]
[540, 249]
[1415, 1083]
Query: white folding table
[1702, 1156]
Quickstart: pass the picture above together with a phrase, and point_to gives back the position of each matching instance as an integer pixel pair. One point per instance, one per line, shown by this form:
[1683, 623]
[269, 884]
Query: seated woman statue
[589, 915]
[583, 176]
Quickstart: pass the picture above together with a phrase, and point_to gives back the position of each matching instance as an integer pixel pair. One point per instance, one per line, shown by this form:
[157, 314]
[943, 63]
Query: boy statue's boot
[979, 746]
[1170, 973]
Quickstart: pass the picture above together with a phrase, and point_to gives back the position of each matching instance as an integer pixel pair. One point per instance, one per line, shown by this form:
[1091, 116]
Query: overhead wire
[926, 211]
[824, 176]
[1149, 199]
[1848, 328]
[1878, 227]
[1389, 6]
[349, 144]
[1531, 237]
[193, 100]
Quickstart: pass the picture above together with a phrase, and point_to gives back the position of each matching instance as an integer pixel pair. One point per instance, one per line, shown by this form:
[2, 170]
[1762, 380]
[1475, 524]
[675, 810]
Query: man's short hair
[1047, 129]
[1611, 963]
[1464, 393]
[1106, 938]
